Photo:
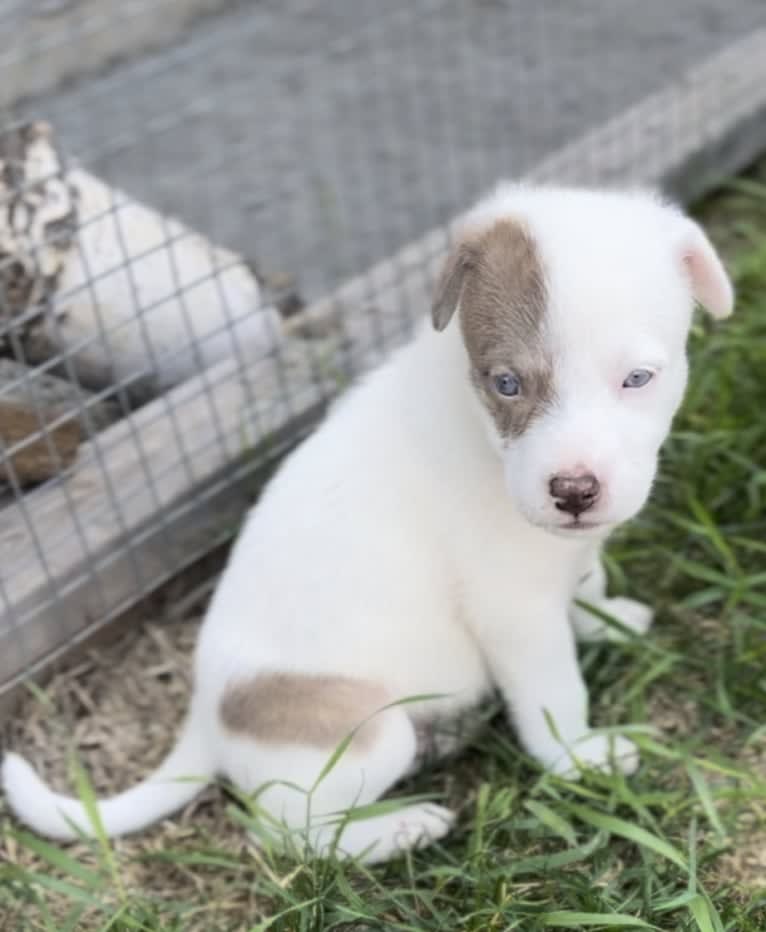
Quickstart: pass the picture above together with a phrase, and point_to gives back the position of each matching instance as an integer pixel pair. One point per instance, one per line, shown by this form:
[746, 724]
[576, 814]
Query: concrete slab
[316, 138]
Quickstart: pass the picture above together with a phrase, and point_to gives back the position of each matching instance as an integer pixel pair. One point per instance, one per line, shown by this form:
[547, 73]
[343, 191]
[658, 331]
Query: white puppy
[430, 537]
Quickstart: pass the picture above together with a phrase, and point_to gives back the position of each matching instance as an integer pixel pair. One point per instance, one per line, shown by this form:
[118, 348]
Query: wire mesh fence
[178, 228]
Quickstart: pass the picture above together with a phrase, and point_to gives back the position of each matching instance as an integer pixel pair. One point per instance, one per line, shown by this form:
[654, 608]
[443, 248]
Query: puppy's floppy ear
[710, 283]
[450, 284]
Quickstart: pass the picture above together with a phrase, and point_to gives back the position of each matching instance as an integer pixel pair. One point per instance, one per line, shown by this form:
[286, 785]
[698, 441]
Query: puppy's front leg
[547, 700]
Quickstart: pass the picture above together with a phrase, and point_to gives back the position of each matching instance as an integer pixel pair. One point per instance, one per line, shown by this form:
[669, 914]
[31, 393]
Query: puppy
[430, 538]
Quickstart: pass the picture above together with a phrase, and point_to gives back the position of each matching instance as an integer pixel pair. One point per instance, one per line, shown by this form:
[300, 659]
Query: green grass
[674, 848]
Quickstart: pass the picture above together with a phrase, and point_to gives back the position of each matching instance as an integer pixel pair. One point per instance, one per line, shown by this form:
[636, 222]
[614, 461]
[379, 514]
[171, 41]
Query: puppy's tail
[178, 779]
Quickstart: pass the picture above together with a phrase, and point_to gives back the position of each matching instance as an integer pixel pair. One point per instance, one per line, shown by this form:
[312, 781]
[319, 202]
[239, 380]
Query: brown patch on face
[303, 708]
[497, 278]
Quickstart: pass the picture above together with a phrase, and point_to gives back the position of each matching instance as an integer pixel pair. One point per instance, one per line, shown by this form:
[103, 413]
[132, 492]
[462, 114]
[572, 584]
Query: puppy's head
[574, 309]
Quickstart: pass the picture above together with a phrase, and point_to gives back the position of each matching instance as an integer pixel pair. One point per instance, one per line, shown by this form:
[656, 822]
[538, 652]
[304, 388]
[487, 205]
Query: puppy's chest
[507, 589]
[500, 561]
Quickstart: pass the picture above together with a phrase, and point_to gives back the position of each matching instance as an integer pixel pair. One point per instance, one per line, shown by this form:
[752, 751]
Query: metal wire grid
[417, 109]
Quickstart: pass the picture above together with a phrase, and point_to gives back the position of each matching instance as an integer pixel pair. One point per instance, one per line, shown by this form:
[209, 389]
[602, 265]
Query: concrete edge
[60, 43]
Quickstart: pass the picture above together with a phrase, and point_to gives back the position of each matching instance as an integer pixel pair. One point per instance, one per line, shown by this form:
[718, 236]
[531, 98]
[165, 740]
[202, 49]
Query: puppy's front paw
[631, 614]
[418, 826]
[598, 752]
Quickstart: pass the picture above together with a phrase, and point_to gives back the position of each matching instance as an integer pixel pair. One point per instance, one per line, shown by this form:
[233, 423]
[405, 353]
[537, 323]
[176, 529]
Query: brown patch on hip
[313, 709]
[497, 277]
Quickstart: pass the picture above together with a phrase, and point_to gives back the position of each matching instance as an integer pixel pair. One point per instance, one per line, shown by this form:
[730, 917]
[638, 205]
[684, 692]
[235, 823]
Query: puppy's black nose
[574, 493]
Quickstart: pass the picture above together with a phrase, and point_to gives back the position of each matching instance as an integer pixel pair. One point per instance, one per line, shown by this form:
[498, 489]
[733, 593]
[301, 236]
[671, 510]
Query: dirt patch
[118, 707]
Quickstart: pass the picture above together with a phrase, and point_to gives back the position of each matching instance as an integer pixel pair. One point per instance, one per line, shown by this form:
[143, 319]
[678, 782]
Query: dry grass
[118, 708]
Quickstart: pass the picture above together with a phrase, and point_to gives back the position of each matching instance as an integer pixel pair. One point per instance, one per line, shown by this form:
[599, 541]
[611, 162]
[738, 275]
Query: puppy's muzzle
[574, 494]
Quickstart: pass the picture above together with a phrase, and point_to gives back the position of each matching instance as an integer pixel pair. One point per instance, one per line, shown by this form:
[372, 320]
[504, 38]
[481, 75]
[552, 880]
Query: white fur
[399, 545]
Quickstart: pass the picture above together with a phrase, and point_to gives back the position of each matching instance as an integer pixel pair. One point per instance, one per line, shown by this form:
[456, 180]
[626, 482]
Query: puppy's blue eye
[638, 378]
[506, 384]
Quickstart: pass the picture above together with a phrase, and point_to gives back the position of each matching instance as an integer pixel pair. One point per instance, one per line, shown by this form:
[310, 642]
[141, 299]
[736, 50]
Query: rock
[47, 392]
[35, 448]
[128, 295]
[43, 420]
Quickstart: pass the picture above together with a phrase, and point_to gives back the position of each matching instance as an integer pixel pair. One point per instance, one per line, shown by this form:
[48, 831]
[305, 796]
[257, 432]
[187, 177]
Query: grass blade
[702, 789]
[565, 919]
[633, 833]
[89, 801]
[59, 859]
[552, 820]
[704, 914]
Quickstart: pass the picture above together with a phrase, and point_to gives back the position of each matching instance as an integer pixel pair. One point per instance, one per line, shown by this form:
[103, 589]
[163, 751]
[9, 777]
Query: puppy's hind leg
[301, 791]
[588, 626]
